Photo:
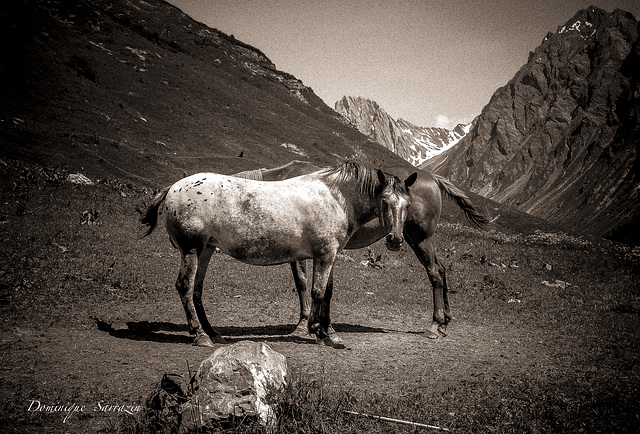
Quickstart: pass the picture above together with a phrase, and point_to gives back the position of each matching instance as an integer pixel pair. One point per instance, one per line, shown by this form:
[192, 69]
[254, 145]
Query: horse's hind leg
[299, 271]
[203, 263]
[437, 276]
[185, 287]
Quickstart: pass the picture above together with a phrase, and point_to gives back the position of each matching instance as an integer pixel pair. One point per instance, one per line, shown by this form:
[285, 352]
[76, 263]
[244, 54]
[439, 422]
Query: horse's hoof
[432, 331]
[442, 329]
[203, 341]
[332, 341]
[431, 335]
[313, 328]
[218, 339]
[301, 331]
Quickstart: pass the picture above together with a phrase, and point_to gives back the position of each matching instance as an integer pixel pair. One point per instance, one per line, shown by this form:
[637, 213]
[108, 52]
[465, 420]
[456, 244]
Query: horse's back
[213, 194]
[197, 187]
[292, 169]
[247, 218]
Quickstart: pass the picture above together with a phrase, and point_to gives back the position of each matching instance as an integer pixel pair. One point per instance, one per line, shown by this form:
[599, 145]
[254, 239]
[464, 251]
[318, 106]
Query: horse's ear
[411, 179]
[381, 177]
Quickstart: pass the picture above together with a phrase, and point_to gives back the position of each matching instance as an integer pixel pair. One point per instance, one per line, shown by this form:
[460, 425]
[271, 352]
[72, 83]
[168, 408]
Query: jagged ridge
[414, 144]
[561, 139]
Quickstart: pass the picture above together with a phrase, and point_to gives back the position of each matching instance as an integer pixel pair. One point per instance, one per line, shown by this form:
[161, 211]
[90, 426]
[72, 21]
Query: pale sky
[432, 63]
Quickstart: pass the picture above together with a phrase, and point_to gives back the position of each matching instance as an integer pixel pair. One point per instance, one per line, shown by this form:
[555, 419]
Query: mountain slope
[138, 90]
[414, 144]
[561, 139]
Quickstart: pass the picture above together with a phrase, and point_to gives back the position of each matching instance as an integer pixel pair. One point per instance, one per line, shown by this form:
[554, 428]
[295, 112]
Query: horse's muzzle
[394, 242]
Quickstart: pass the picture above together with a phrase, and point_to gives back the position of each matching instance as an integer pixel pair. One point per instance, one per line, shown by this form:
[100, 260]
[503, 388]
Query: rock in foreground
[231, 383]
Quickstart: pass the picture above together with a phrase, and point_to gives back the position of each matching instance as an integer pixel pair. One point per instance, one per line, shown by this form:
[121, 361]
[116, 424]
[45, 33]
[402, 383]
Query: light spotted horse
[419, 228]
[312, 216]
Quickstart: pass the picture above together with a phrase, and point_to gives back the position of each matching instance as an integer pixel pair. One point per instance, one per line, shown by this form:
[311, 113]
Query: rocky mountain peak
[413, 143]
[560, 139]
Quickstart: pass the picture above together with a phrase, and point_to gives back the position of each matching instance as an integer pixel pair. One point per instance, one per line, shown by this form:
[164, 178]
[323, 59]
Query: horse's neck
[360, 207]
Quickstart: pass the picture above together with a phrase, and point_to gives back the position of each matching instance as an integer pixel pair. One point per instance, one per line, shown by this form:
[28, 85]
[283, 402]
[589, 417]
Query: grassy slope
[139, 91]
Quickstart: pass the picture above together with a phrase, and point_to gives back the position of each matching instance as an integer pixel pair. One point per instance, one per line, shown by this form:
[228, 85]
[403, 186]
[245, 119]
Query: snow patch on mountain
[429, 142]
[414, 144]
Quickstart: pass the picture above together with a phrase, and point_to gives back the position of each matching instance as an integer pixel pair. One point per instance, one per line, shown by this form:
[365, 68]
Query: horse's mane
[366, 178]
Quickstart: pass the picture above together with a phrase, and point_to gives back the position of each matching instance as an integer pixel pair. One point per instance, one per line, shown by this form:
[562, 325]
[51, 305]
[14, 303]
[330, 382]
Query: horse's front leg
[299, 271]
[441, 311]
[320, 314]
[436, 272]
[185, 286]
[442, 328]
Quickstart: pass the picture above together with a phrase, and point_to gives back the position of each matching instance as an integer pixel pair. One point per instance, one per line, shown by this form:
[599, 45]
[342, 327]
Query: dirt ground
[116, 356]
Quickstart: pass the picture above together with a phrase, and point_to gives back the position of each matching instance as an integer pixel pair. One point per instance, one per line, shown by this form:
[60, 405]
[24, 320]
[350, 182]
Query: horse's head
[394, 201]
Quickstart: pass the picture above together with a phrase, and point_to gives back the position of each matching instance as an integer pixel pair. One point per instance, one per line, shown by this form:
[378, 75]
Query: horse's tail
[473, 214]
[149, 217]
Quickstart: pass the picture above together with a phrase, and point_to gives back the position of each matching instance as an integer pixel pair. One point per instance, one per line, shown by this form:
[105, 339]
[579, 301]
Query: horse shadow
[168, 332]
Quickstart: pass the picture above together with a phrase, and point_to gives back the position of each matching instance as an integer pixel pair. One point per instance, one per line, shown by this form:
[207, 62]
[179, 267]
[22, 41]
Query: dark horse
[419, 228]
[311, 216]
